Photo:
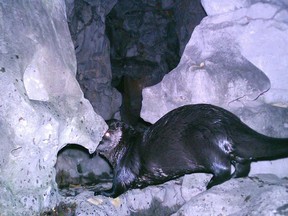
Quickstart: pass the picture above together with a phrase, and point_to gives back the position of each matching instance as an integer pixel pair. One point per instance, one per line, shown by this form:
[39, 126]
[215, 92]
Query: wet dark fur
[189, 139]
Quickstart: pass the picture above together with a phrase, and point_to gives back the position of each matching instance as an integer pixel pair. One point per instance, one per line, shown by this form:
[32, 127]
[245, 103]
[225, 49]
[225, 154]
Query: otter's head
[111, 138]
[116, 141]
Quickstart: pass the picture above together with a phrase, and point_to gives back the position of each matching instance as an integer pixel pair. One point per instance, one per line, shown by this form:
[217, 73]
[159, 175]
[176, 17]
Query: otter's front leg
[122, 181]
[120, 185]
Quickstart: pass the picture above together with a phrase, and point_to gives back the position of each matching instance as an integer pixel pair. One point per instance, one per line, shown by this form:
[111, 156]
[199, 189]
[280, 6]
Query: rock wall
[258, 195]
[188, 14]
[87, 26]
[42, 107]
[237, 59]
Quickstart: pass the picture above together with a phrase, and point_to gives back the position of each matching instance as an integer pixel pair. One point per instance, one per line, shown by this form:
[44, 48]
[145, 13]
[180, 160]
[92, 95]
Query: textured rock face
[236, 60]
[216, 65]
[258, 195]
[42, 107]
[219, 7]
[87, 26]
[188, 14]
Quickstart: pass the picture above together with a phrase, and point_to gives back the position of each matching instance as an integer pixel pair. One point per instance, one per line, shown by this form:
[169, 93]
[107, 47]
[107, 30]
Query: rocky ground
[263, 194]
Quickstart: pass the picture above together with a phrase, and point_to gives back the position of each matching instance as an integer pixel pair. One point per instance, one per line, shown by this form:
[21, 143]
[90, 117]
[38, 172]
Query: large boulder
[257, 195]
[42, 107]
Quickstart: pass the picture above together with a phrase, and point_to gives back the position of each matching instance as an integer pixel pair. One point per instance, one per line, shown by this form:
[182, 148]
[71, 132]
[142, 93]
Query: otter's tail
[256, 146]
[271, 148]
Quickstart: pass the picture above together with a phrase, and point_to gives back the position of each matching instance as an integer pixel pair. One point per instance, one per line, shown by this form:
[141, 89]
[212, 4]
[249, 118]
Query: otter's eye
[107, 135]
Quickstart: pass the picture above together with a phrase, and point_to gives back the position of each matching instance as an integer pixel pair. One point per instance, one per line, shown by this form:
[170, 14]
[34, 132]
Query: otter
[190, 139]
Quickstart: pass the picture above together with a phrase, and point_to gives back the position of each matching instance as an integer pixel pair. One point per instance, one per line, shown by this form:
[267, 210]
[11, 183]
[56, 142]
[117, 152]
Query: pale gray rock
[214, 7]
[42, 108]
[260, 32]
[222, 79]
[220, 45]
[223, 6]
[257, 195]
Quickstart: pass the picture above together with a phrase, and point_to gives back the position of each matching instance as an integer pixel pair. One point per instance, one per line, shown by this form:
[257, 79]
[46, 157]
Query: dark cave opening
[144, 46]
[76, 170]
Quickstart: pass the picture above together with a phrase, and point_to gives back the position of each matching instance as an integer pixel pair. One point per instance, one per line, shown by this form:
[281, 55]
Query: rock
[256, 195]
[154, 200]
[215, 67]
[42, 108]
[220, 7]
[87, 26]
[187, 14]
[261, 24]
[221, 79]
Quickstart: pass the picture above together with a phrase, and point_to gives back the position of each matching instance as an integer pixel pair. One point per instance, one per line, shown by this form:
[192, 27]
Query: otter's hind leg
[221, 174]
[241, 169]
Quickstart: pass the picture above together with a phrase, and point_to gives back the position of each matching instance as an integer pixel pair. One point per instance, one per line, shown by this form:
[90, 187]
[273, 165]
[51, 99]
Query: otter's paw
[107, 193]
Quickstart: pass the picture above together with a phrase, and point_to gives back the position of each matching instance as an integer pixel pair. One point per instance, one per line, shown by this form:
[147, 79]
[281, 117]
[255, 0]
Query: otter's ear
[119, 124]
[113, 124]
